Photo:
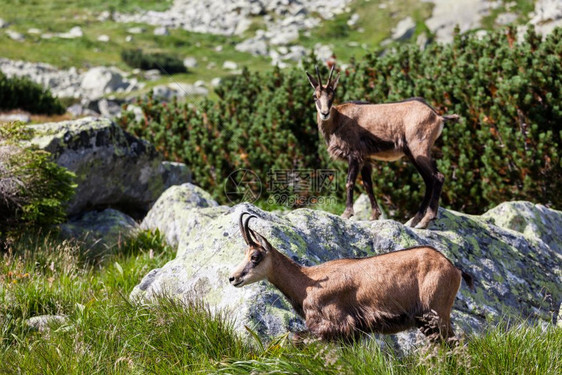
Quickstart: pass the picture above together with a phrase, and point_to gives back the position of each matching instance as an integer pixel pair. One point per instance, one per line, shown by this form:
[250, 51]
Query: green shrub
[505, 147]
[165, 63]
[21, 93]
[33, 189]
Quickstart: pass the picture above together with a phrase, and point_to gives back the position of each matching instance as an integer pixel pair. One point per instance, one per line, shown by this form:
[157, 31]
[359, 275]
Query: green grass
[107, 334]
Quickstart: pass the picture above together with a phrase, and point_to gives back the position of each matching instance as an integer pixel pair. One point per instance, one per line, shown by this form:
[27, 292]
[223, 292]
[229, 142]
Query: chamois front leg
[352, 172]
[366, 173]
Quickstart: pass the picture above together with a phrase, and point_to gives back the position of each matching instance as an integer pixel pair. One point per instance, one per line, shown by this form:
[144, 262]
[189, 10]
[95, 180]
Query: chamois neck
[289, 278]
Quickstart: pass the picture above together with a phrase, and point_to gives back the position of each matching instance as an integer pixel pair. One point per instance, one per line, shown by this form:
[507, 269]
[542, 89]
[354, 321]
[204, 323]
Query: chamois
[341, 299]
[361, 132]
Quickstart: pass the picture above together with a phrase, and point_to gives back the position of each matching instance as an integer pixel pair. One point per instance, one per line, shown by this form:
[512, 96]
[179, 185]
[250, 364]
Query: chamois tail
[468, 278]
[452, 118]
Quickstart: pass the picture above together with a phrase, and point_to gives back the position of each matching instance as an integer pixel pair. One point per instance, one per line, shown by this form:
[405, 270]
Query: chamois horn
[245, 230]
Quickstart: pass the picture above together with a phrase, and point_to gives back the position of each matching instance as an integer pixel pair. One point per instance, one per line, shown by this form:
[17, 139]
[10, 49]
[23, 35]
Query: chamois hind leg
[437, 180]
[425, 172]
[352, 172]
[366, 173]
[435, 327]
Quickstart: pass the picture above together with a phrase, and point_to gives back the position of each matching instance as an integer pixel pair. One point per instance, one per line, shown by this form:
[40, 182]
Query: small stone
[161, 31]
[136, 30]
[506, 18]
[103, 38]
[404, 29]
[152, 74]
[190, 62]
[104, 16]
[75, 32]
[19, 117]
[100, 229]
[353, 19]
[42, 323]
[229, 65]
[14, 35]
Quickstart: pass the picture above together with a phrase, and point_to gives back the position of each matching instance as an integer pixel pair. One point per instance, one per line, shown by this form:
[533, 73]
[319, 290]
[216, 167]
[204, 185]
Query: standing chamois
[361, 132]
[344, 298]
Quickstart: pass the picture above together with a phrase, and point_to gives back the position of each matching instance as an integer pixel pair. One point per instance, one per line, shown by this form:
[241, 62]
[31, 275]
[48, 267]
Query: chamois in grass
[341, 299]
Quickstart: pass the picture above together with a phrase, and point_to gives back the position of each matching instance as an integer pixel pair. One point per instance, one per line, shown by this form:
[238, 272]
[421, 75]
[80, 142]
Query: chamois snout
[325, 116]
[257, 263]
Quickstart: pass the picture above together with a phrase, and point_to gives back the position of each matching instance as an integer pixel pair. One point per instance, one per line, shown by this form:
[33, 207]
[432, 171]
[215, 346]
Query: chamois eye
[255, 258]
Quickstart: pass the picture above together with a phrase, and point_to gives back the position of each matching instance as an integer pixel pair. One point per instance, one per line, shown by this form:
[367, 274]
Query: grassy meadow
[106, 333]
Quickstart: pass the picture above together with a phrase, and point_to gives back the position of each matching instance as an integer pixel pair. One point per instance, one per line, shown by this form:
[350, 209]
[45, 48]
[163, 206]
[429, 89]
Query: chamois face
[323, 94]
[255, 267]
[257, 262]
[324, 97]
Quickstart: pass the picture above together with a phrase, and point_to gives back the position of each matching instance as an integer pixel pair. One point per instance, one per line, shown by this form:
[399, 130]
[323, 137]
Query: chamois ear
[312, 81]
[335, 84]
[263, 242]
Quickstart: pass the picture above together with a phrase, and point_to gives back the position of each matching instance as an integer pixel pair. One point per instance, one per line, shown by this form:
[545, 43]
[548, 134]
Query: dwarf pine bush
[165, 63]
[21, 93]
[33, 189]
[505, 147]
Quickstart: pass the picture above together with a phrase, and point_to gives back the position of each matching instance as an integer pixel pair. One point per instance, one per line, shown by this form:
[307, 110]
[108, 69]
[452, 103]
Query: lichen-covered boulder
[101, 229]
[516, 262]
[112, 167]
[168, 213]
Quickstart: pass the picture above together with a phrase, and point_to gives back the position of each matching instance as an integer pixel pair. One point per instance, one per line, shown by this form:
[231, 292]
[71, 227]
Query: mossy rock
[517, 275]
[113, 168]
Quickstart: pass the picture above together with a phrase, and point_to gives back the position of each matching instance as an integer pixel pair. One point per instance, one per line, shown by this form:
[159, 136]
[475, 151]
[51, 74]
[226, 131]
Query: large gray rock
[513, 251]
[100, 80]
[101, 230]
[112, 167]
[168, 213]
[547, 15]
[467, 14]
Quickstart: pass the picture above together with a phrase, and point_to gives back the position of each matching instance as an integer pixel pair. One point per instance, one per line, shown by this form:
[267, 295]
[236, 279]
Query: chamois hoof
[424, 223]
[347, 213]
[413, 222]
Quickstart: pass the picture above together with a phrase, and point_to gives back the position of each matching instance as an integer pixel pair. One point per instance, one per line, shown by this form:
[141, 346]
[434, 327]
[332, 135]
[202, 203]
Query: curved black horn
[319, 78]
[330, 77]
[245, 230]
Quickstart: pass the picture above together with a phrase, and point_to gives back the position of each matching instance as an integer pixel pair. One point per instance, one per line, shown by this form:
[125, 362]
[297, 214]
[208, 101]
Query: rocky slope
[513, 251]
[276, 29]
